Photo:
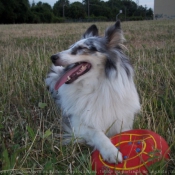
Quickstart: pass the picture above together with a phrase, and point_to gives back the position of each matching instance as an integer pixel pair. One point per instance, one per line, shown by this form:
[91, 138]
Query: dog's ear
[91, 31]
[114, 35]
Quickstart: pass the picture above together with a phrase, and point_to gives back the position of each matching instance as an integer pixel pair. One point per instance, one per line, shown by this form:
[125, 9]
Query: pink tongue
[64, 78]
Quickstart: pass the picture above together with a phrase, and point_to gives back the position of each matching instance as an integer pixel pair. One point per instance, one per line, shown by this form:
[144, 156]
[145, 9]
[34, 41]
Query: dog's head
[92, 52]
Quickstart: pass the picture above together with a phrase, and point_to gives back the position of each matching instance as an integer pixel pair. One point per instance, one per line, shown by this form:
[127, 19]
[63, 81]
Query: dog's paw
[111, 154]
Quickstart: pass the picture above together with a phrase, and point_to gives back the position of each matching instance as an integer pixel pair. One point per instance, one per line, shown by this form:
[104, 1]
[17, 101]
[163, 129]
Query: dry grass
[29, 127]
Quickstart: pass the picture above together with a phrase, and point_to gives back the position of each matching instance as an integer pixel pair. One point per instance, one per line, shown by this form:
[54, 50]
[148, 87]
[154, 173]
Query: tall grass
[30, 139]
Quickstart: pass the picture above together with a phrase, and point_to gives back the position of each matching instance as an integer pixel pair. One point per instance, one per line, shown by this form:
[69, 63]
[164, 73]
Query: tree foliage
[42, 12]
[59, 6]
[14, 11]
[21, 11]
[76, 11]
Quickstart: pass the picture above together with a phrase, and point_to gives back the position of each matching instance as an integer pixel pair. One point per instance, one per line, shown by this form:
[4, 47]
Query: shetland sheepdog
[92, 83]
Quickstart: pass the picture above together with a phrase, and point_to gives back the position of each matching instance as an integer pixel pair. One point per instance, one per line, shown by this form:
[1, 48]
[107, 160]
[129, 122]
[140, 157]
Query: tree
[76, 11]
[113, 4]
[97, 8]
[42, 12]
[8, 15]
[2, 8]
[22, 9]
[100, 9]
[149, 13]
[61, 8]
[14, 11]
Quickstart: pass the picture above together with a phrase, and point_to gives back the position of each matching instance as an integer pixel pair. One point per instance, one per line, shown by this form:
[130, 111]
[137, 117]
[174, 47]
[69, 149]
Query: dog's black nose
[54, 58]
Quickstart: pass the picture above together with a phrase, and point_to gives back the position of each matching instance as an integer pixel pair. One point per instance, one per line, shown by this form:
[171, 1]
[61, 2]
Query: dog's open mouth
[72, 72]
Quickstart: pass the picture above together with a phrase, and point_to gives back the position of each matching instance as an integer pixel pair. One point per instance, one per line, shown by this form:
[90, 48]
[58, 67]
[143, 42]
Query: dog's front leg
[101, 142]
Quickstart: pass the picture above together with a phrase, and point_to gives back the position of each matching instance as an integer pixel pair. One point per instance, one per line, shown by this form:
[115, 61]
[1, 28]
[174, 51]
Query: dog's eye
[77, 49]
[74, 52]
[82, 48]
[93, 49]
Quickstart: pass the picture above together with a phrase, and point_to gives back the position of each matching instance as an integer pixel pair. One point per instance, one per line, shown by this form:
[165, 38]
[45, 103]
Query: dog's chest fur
[100, 103]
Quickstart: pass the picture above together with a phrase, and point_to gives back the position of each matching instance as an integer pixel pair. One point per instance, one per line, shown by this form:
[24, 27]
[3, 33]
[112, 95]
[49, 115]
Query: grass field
[30, 141]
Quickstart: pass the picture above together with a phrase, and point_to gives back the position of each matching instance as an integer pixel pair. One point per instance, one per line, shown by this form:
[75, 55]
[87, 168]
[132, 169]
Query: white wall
[164, 9]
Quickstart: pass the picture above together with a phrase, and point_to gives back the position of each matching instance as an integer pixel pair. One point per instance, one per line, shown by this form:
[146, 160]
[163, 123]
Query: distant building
[164, 9]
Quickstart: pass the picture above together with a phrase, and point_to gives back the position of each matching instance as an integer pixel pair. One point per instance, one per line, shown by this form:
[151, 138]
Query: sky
[148, 3]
